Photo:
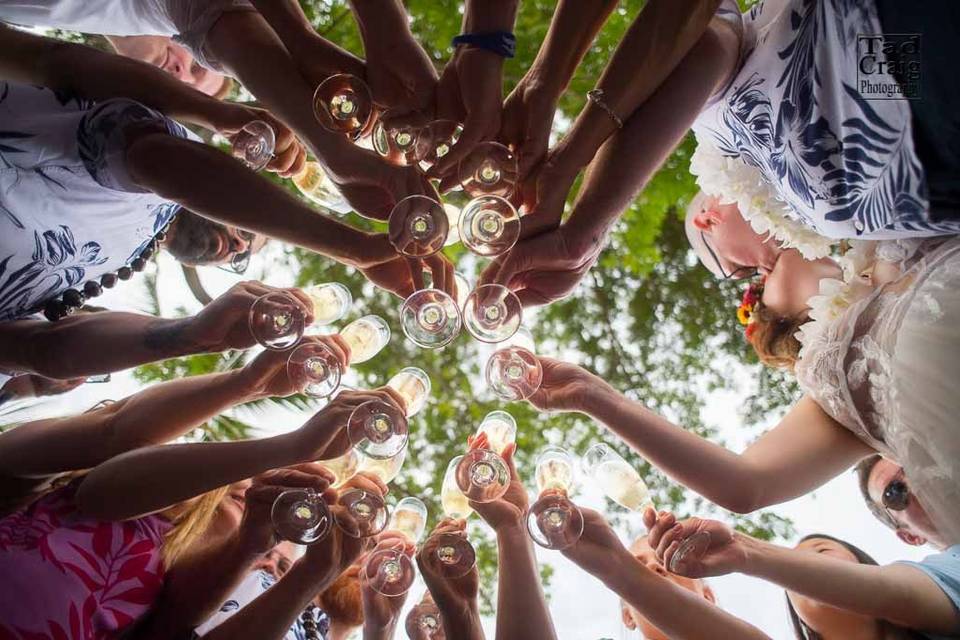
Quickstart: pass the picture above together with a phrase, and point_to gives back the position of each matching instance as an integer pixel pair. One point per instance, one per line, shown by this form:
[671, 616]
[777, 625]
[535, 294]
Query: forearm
[96, 75]
[574, 26]
[898, 593]
[150, 479]
[522, 612]
[675, 611]
[271, 615]
[482, 16]
[97, 343]
[191, 174]
[372, 632]
[153, 416]
[381, 22]
[287, 19]
[463, 624]
[651, 51]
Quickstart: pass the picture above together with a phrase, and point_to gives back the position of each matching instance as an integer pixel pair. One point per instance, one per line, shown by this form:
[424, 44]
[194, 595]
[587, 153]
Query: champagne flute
[490, 169]
[430, 318]
[513, 371]
[452, 555]
[342, 104]
[455, 504]
[482, 475]
[464, 287]
[414, 385]
[622, 483]
[301, 516]
[418, 226]
[255, 144]
[390, 571]
[344, 467]
[442, 135]
[277, 320]
[314, 183]
[366, 337]
[492, 313]
[377, 429]
[364, 514]
[331, 302]
[386, 469]
[553, 521]
[501, 430]
[402, 139]
[489, 226]
[424, 621]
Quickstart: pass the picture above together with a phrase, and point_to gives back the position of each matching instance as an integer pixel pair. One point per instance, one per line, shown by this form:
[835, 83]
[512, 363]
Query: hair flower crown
[746, 312]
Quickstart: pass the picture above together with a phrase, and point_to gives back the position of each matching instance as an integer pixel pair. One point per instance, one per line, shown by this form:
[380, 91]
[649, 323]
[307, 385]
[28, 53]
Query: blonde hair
[190, 521]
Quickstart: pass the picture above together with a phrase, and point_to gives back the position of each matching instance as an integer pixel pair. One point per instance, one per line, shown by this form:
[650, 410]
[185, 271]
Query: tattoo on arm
[169, 338]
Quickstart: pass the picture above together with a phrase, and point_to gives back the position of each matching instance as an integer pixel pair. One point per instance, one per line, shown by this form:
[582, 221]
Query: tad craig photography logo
[888, 66]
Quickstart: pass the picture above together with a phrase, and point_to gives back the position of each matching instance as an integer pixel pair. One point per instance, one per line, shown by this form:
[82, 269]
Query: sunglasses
[240, 262]
[738, 274]
[896, 495]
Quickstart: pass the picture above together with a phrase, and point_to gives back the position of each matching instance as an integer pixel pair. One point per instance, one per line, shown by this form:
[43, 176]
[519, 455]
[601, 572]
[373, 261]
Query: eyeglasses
[896, 495]
[239, 262]
[738, 274]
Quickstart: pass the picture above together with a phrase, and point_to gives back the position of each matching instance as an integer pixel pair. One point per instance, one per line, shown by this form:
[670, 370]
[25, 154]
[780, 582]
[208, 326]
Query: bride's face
[793, 280]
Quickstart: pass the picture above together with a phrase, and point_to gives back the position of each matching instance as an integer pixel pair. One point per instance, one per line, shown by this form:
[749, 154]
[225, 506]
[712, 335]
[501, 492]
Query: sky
[582, 608]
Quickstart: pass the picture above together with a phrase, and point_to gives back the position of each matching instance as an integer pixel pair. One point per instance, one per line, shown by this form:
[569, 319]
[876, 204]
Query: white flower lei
[734, 181]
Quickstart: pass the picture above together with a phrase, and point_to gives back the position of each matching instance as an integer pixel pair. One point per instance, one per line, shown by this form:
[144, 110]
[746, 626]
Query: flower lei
[734, 181]
[746, 312]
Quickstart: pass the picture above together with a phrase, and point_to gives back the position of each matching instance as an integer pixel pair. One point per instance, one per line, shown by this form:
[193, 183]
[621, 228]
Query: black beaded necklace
[312, 623]
[71, 299]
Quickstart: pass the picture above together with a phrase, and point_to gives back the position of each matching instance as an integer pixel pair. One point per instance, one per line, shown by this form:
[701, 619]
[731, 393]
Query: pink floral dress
[67, 577]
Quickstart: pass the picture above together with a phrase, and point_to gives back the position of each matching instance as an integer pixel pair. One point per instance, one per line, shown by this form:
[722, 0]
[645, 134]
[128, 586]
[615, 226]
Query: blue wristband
[502, 43]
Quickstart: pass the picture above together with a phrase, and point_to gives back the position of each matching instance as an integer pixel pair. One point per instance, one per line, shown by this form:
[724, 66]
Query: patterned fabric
[69, 211]
[887, 367]
[66, 577]
[842, 165]
[187, 21]
[253, 585]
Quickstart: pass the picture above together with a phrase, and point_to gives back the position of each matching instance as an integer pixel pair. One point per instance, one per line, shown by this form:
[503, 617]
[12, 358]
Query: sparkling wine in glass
[277, 320]
[402, 139]
[414, 385]
[331, 302]
[492, 313]
[454, 502]
[424, 621]
[387, 469]
[489, 226]
[315, 369]
[314, 183]
[255, 144]
[482, 475]
[514, 373]
[430, 318]
[418, 226]
[501, 430]
[301, 516]
[616, 478]
[450, 555]
[377, 429]
[361, 514]
[442, 135]
[553, 521]
[366, 336]
[342, 103]
[489, 170]
[344, 467]
[391, 571]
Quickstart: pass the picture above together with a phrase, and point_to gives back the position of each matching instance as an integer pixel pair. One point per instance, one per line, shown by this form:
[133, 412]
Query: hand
[256, 533]
[381, 613]
[289, 155]
[541, 269]
[599, 550]
[34, 385]
[542, 193]
[565, 386]
[402, 276]
[266, 375]
[401, 75]
[723, 554]
[510, 509]
[470, 91]
[526, 123]
[224, 323]
[324, 436]
[453, 594]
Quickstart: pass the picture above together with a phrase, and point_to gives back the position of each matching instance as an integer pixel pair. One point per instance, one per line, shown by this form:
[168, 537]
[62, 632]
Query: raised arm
[799, 454]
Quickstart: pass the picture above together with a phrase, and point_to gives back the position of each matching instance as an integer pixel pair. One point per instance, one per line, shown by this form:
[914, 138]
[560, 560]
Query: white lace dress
[884, 361]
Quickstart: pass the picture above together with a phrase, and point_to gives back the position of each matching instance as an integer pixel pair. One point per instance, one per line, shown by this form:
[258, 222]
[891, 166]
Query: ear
[911, 538]
[705, 219]
[708, 594]
[627, 617]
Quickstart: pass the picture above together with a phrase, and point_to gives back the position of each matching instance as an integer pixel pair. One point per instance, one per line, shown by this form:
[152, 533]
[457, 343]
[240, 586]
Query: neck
[853, 628]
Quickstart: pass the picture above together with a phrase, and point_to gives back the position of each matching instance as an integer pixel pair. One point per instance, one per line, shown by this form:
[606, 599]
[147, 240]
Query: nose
[238, 243]
[176, 69]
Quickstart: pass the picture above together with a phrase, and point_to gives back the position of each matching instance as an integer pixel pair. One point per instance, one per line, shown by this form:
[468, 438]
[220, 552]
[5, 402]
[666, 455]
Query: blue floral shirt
[845, 166]
[69, 210]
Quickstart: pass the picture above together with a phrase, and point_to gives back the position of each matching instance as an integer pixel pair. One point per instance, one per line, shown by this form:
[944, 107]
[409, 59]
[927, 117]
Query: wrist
[754, 556]
[243, 547]
[512, 532]
[598, 397]
[617, 570]
[492, 15]
[373, 630]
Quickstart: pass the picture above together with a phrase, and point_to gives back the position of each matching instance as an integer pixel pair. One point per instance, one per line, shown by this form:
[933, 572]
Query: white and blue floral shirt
[69, 211]
[843, 165]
